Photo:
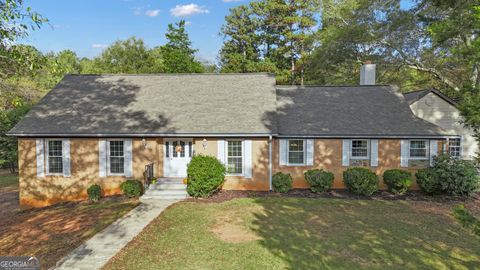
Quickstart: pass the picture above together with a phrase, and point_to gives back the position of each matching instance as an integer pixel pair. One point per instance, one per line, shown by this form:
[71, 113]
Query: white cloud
[137, 11]
[152, 12]
[229, 1]
[187, 23]
[187, 10]
[99, 46]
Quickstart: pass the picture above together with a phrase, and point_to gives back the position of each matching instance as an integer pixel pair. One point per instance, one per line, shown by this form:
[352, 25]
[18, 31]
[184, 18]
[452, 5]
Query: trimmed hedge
[205, 176]
[427, 181]
[132, 188]
[398, 181]
[319, 180]
[456, 176]
[282, 182]
[361, 181]
[94, 193]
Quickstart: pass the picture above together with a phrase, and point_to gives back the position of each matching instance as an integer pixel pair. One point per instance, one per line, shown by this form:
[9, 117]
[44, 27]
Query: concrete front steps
[166, 189]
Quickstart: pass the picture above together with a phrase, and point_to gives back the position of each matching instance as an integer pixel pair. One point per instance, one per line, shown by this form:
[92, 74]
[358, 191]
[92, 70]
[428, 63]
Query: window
[234, 157]
[418, 149]
[54, 157]
[190, 149]
[296, 152]
[359, 149]
[455, 147]
[167, 149]
[117, 157]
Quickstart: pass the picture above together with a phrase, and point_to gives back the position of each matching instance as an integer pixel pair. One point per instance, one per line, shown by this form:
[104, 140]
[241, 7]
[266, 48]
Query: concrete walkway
[98, 250]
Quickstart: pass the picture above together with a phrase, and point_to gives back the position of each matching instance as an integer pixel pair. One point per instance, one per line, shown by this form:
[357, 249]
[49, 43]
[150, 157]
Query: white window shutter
[102, 158]
[282, 152]
[309, 146]
[346, 152]
[433, 150]
[374, 153]
[40, 153]
[66, 157]
[248, 159]
[128, 168]
[221, 151]
[404, 152]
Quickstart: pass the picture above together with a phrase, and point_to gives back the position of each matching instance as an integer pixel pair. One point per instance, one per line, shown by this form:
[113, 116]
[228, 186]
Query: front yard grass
[301, 233]
[51, 233]
[8, 180]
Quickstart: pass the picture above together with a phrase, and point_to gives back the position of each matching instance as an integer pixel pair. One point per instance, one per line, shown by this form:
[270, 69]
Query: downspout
[270, 141]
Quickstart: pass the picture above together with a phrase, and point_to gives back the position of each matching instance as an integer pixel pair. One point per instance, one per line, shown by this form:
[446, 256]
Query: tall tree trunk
[474, 76]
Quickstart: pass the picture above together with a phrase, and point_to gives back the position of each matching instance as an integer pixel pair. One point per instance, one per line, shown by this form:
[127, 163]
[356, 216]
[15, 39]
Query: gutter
[270, 142]
[140, 135]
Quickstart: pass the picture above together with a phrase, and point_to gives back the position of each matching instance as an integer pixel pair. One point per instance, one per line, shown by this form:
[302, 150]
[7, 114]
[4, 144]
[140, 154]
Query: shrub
[398, 181]
[427, 181]
[205, 176]
[94, 192]
[456, 176]
[319, 180]
[360, 180]
[132, 188]
[466, 219]
[282, 182]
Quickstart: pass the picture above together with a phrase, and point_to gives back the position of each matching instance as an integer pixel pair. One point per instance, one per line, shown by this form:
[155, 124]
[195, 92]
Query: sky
[88, 26]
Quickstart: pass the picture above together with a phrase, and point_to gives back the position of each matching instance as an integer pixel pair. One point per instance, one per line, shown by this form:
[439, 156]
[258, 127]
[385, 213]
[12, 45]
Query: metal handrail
[148, 175]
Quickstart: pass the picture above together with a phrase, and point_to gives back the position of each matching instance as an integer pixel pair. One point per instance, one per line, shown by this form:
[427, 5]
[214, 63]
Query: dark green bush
[466, 219]
[456, 176]
[427, 181]
[398, 181]
[132, 188]
[94, 192]
[205, 176]
[282, 182]
[360, 181]
[319, 180]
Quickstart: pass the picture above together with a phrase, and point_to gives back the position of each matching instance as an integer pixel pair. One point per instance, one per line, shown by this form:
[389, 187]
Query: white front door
[177, 154]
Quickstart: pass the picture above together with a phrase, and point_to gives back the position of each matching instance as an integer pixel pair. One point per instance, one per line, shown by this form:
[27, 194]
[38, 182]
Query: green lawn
[296, 233]
[8, 180]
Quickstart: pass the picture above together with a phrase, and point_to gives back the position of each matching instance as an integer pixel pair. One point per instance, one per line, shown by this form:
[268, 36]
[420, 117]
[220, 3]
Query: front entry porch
[177, 153]
[166, 188]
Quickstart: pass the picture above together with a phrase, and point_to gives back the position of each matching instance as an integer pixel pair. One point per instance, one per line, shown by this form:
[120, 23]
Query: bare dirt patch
[231, 228]
[52, 232]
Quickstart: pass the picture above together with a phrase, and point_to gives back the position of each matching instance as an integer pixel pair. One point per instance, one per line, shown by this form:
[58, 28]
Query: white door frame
[176, 166]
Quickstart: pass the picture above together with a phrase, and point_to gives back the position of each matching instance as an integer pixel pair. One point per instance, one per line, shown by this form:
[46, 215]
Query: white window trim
[243, 157]
[360, 158]
[304, 153]
[107, 145]
[47, 167]
[461, 145]
[427, 153]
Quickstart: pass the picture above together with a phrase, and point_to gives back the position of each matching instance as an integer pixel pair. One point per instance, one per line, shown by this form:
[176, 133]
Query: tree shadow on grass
[356, 234]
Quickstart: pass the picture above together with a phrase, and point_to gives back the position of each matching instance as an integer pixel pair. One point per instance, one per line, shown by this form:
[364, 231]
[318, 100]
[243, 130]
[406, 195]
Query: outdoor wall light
[144, 143]
[204, 144]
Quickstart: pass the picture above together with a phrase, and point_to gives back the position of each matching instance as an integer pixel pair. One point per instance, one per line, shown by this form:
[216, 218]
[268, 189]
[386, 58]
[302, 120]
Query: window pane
[182, 147]
[167, 149]
[234, 157]
[359, 148]
[116, 157]
[174, 146]
[295, 152]
[190, 149]
[55, 165]
[116, 148]
[418, 149]
[116, 164]
[55, 160]
[454, 147]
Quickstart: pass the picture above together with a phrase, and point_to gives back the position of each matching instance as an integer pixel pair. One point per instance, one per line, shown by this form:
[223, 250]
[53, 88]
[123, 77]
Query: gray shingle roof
[348, 111]
[154, 104]
[217, 104]
[414, 96]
